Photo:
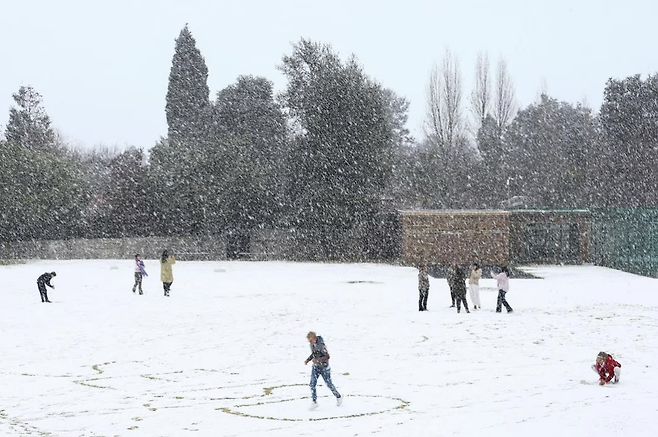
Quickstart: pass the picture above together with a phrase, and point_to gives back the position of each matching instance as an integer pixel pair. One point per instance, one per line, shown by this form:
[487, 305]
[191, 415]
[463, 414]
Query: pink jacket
[502, 279]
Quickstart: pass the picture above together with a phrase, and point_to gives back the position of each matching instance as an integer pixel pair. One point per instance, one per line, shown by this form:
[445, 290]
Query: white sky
[103, 67]
[224, 355]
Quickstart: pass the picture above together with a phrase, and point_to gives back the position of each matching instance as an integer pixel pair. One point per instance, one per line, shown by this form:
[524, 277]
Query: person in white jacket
[502, 279]
[475, 273]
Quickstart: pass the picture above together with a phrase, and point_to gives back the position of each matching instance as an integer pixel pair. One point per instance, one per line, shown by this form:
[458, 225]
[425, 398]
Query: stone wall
[185, 248]
[265, 244]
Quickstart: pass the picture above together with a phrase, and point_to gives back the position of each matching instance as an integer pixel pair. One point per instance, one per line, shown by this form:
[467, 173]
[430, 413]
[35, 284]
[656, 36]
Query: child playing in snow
[607, 368]
[320, 358]
[502, 280]
[140, 272]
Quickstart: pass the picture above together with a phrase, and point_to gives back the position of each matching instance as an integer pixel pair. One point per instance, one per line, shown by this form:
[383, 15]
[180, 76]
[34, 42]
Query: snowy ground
[223, 356]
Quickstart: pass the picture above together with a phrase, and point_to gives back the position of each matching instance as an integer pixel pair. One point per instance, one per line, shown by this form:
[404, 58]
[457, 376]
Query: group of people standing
[456, 276]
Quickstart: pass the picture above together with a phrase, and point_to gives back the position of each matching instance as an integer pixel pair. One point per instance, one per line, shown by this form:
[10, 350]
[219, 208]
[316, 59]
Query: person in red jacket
[607, 367]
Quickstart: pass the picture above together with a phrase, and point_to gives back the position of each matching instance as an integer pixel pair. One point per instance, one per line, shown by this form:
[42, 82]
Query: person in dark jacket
[460, 289]
[423, 287]
[320, 358]
[42, 281]
[452, 279]
[457, 282]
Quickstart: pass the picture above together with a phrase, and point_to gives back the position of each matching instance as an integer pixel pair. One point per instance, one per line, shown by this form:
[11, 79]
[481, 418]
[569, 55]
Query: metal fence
[625, 239]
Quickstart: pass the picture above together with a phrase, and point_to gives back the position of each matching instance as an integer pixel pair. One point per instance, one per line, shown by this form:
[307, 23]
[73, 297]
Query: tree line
[329, 154]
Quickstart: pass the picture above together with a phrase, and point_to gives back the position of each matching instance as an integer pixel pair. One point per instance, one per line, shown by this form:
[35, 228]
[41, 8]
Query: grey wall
[265, 244]
[115, 248]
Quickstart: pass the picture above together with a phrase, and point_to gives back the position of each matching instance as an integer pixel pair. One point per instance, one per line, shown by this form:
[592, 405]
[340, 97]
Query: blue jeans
[325, 372]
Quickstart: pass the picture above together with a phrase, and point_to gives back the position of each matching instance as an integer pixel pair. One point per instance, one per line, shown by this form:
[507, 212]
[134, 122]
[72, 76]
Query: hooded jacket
[319, 353]
[607, 368]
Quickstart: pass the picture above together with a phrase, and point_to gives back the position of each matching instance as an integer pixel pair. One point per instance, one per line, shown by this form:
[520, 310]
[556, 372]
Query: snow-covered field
[224, 355]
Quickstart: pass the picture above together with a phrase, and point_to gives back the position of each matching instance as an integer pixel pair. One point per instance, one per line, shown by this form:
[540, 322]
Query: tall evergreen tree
[126, 202]
[42, 194]
[250, 166]
[188, 95]
[340, 157]
[629, 119]
[29, 124]
[400, 190]
[175, 161]
[548, 145]
[43, 188]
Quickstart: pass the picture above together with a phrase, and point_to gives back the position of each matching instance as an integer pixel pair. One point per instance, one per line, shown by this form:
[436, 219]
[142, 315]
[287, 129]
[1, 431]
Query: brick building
[493, 237]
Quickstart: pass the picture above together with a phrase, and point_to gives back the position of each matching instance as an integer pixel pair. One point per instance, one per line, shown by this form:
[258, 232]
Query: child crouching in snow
[607, 368]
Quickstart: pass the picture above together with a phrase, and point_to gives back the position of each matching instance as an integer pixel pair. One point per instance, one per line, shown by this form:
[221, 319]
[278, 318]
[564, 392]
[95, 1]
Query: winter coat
[423, 281]
[45, 279]
[139, 267]
[457, 280]
[475, 276]
[502, 280]
[607, 368]
[166, 275]
[319, 353]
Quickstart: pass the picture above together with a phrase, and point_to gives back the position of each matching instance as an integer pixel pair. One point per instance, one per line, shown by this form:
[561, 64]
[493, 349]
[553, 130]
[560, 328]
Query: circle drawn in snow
[297, 409]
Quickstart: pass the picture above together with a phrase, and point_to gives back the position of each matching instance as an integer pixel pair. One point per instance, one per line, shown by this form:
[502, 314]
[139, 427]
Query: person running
[166, 274]
[474, 285]
[320, 358]
[140, 272]
[502, 280]
[42, 281]
[423, 287]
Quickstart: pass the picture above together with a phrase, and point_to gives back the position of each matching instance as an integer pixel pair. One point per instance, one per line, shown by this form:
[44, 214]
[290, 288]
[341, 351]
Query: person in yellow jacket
[166, 275]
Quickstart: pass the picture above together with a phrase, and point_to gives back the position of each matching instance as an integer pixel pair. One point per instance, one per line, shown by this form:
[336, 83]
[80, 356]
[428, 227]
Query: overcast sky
[102, 67]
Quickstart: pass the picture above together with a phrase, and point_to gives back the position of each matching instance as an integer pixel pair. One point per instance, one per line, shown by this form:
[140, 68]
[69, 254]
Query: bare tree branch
[481, 94]
[505, 105]
[445, 120]
[435, 111]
